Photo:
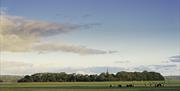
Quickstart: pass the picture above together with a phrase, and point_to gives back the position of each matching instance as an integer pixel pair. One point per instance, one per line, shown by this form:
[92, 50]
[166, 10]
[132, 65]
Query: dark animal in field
[119, 85]
[145, 84]
[110, 85]
[158, 85]
[130, 85]
[150, 84]
[163, 83]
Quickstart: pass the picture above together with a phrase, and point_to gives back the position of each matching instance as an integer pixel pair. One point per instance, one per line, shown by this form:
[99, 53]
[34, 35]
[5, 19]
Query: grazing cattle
[158, 85]
[163, 84]
[110, 85]
[150, 84]
[130, 85]
[145, 84]
[119, 85]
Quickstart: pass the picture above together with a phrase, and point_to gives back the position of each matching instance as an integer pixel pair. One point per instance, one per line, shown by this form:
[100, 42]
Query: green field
[88, 86]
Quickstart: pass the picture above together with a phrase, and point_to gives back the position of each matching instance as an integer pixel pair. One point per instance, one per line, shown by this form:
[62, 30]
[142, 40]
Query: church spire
[107, 71]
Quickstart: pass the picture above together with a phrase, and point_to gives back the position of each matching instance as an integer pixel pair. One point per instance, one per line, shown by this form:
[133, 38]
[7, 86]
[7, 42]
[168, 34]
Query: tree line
[119, 76]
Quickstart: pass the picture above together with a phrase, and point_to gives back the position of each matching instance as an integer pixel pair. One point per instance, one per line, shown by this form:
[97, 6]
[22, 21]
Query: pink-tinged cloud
[20, 34]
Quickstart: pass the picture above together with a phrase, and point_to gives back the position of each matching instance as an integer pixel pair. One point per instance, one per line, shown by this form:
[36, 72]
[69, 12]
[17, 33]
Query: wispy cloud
[15, 67]
[68, 48]
[168, 69]
[23, 26]
[175, 58]
[126, 61]
[14, 64]
[3, 10]
[164, 61]
[86, 15]
[155, 67]
[20, 34]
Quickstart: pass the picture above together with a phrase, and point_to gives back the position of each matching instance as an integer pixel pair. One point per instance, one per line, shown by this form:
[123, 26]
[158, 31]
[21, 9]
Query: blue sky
[139, 33]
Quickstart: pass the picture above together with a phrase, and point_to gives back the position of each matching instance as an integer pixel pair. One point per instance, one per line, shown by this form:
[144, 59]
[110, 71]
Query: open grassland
[89, 86]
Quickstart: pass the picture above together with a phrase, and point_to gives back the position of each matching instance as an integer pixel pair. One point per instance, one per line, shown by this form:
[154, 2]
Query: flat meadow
[90, 86]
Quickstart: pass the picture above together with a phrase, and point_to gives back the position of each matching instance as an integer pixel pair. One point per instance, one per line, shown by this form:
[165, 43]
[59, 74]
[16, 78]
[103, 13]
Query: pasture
[90, 86]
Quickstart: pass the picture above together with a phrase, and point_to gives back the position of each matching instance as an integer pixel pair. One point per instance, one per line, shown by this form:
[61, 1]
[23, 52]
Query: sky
[89, 36]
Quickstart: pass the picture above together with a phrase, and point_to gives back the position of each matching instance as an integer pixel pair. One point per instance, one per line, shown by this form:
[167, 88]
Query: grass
[88, 86]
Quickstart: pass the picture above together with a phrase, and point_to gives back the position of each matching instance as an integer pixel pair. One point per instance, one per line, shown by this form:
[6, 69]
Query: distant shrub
[119, 85]
[1, 80]
[110, 85]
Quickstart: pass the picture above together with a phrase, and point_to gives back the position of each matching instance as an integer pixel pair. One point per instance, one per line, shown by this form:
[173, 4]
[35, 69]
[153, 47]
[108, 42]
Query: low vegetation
[172, 78]
[10, 78]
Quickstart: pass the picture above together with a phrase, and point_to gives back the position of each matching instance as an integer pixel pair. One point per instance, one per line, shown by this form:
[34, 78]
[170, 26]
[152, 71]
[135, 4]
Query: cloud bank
[20, 34]
[155, 67]
[23, 68]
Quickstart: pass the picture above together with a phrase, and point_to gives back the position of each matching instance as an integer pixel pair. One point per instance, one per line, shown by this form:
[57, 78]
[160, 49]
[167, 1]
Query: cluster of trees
[120, 76]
